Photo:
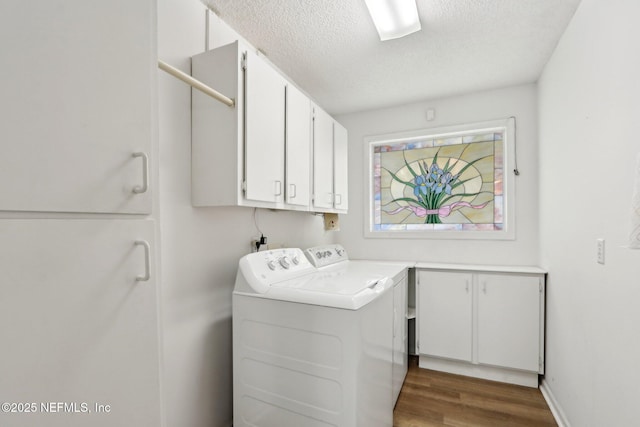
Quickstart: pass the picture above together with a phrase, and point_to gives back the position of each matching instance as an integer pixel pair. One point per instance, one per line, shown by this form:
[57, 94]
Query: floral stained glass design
[452, 183]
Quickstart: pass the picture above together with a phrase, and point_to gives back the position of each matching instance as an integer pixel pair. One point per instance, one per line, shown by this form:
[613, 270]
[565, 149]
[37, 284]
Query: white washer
[312, 346]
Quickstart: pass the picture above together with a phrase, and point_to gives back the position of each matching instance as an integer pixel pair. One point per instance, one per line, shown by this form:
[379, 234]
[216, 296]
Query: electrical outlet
[331, 222]
[600, 250]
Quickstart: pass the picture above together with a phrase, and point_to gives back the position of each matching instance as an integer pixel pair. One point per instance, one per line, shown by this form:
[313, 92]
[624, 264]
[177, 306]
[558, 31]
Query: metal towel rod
[196, 84]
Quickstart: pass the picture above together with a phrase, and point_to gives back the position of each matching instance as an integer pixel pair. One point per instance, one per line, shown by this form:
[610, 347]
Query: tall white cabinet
[76, 324]
[77, 93]
[482, 321]
[78, 295]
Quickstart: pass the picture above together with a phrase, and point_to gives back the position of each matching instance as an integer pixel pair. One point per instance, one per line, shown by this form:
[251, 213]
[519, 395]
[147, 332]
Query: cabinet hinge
[243, 62]
[540, 287]
[540, 362]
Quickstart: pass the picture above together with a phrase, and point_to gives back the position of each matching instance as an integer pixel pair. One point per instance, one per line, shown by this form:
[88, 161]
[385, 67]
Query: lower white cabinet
[400, 336]
[79, 333]
[445, 313]
[510, 311]
[482, 323]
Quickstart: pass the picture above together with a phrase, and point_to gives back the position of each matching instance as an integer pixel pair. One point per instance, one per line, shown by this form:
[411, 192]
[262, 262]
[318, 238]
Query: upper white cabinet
[238, 153]
[298, 148]
[340, 173]
[259, 153]
[479, 323]
[264, 131]
[77, 90]
[330, 145]
[322, 160]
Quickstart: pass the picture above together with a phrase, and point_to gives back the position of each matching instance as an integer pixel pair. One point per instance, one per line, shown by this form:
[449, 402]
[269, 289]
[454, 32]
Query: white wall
[201, 247]
[518, 101]
[589, 114]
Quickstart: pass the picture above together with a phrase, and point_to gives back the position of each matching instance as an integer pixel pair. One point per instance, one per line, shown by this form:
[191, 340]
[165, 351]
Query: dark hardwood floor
[430, 398]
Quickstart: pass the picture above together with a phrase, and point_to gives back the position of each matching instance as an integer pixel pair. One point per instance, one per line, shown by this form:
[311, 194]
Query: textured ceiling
[331, 49]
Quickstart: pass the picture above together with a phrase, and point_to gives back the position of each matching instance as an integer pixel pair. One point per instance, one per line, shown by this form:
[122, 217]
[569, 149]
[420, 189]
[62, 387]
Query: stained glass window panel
[450, 182]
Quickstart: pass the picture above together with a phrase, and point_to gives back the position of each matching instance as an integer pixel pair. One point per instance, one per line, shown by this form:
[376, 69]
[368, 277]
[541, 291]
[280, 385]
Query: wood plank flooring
[430, 398]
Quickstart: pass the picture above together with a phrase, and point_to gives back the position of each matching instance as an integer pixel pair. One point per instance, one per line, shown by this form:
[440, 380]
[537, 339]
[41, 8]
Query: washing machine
[312, 344]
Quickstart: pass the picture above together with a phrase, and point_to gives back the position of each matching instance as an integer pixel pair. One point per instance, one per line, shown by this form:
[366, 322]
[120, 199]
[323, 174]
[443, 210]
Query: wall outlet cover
[331, 222]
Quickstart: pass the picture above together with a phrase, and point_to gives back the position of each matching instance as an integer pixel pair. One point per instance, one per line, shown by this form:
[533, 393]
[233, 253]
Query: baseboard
[555, 407]
[505, 375]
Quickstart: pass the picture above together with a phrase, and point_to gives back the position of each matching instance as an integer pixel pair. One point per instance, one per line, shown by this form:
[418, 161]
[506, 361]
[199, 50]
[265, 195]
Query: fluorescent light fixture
[394, 18]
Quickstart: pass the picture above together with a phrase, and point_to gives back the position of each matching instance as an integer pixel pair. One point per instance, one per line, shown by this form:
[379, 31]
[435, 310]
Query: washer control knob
[284, 262]
[295, 260]
[271, 264]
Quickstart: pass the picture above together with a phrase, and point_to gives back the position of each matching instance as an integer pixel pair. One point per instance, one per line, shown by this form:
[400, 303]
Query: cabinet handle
[278, 188]
[147, 255]
[466, 286]
[329, 197]
[484, 287]
[292, 190]
[145, 173]
[338, 199]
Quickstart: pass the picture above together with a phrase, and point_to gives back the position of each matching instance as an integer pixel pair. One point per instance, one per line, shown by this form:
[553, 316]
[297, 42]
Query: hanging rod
[196, 83]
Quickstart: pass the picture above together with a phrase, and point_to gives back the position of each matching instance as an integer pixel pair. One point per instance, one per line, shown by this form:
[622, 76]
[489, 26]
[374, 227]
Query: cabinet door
[340, 179]
[322, 159]
[298, 147]
[509, 319]
[400, 357]
[77, 101]
[75, 325]
[264, 131]
[444, 314]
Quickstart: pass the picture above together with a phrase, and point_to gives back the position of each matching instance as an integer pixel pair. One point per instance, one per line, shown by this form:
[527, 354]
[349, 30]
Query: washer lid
[349, 287]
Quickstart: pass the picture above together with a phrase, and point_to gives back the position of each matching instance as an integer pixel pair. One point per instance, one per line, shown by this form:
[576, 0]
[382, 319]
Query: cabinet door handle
[484, 287]
[278, 188]
[329, 197]
[145, 173]
[292, 190]
[147, 260]
[338, 199]
[466, 286]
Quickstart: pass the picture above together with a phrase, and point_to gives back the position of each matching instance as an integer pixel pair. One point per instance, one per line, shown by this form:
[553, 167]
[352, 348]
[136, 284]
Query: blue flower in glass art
[433, 189]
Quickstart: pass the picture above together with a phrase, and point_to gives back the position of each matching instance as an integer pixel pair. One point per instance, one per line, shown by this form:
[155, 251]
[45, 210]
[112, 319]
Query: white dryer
[312, 346]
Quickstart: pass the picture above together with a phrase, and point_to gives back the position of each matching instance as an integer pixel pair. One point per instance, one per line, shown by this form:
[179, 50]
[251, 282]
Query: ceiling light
[394, 18]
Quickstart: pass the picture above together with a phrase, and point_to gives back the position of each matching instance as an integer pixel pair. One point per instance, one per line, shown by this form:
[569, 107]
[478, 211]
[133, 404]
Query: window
[441, 183]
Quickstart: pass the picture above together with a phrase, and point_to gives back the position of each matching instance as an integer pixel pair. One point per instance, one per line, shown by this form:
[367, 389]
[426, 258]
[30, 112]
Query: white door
[77, 90]
[298, 147]
[76, 327]
[444, 314]
[264, 131]
[340, 179]
[322, 159]
[509, 321]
